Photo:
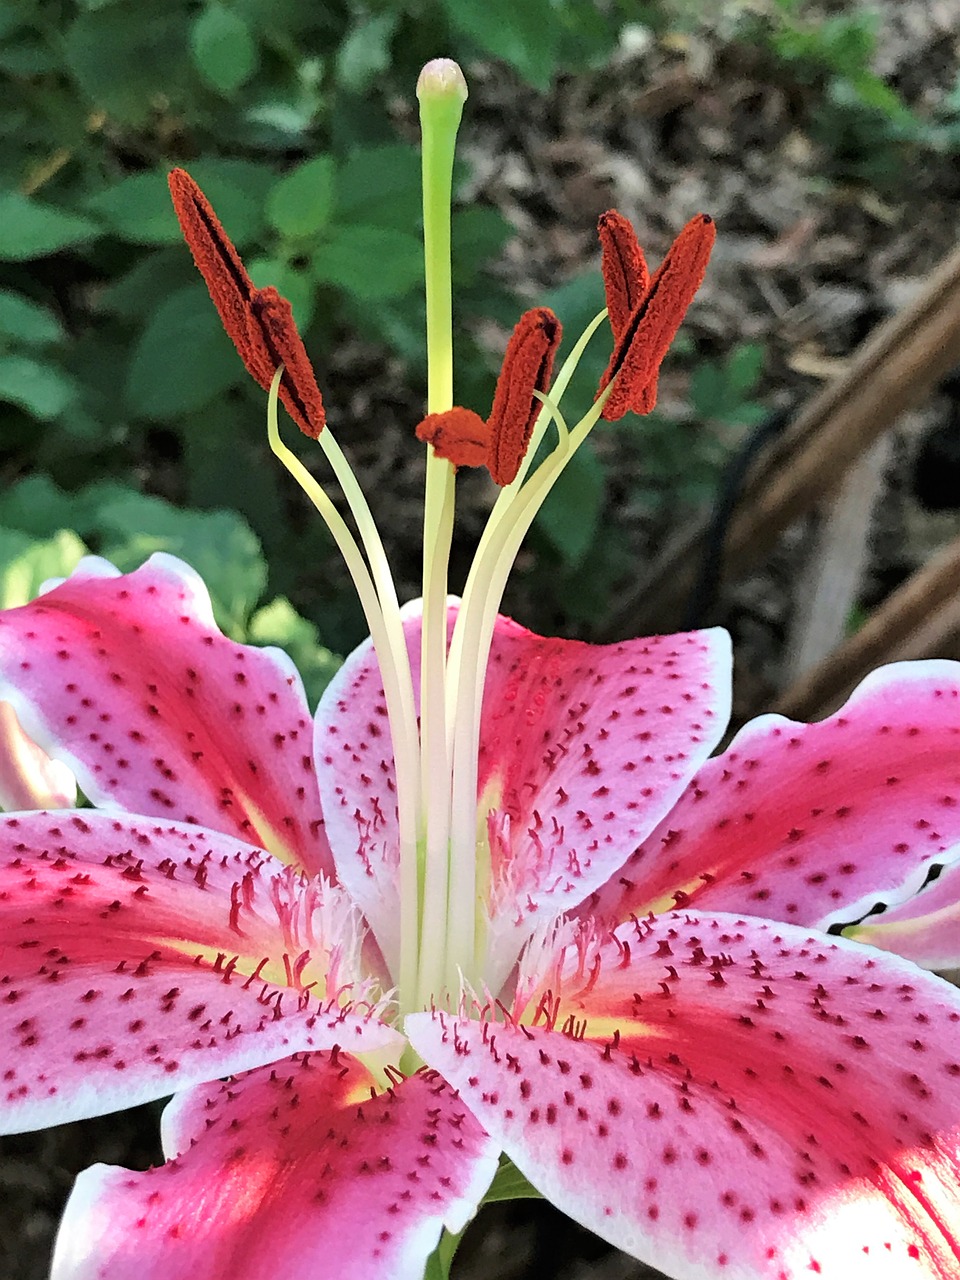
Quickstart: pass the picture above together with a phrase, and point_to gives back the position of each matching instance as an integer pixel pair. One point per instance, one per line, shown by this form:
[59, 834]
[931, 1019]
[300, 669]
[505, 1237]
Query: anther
[459, 435]
[463, 438]
[259, 322]
[652, 325]
[527, 367]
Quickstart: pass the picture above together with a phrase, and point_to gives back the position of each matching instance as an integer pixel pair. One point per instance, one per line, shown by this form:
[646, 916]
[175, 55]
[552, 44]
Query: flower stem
[442, 92]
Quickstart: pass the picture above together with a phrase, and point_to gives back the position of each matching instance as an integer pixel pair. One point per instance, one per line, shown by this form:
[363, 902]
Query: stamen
[259, 322]
[459, 435]
[527, 367]
[386, 631]
[500, 444]
[625, 281]
[509, 523]
[655, 320]
[624, 268]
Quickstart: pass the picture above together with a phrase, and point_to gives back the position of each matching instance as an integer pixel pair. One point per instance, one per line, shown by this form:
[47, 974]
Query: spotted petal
[293, 1170]
[583, 748]
[813, 824]
[732, 1098]
[136, 958]
[127, 679]
[925, 929]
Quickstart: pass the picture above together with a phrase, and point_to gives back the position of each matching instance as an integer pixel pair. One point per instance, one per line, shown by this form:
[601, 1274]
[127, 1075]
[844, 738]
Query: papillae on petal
[583, 748]
[813, 824]
[137, 958]
[724, 1096]
[129, 681]
[293, 1170]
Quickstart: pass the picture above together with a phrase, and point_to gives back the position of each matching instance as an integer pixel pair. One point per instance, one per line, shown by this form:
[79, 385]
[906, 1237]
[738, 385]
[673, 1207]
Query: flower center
[448, 838]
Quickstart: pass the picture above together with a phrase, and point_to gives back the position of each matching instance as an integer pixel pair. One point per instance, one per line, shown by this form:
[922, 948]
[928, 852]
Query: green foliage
[181, 358]
[860, 119]
[570, 517]
[112, 361]
[26, 563]
[301, 202]
[224, 51]
[508, 1184]
[32, 228]
[721, 391]
[38, 542]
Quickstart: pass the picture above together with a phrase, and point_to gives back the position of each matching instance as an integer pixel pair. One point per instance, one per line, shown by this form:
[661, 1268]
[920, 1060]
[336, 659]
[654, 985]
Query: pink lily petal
[816, 823]
[583, 749]
[29, 779]
[732, 1097]
[287, 1171]
[356, 775]
[137, 958]
[567, 727]
[128, 680]
[925, 929]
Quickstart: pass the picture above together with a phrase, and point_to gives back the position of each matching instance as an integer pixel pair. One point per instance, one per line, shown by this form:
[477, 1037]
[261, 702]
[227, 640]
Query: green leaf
[220, 545]
[523, 33]
[709, 391]
[744, 367]
[224, 51]
[571, 514]
[26, 564]
[31, 229]
[138, 292]
[365, 51]
[28, 56]
[125, 57]
[877, 94]
[183, 358]
[301, 202]
[27, 322]
[42, 389]
[380, 186]
[278, 623]
[477, 235]
[440, 1261]
[138, 209]
[371, 263]
[509, 1184]
[35, 505]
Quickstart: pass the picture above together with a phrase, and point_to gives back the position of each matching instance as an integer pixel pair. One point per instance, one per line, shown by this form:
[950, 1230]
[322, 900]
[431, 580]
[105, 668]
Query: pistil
[442, 92]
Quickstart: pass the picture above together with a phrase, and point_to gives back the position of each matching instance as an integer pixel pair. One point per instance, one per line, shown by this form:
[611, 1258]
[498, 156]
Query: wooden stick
[919, 620]
[831, 579]
[898, 366]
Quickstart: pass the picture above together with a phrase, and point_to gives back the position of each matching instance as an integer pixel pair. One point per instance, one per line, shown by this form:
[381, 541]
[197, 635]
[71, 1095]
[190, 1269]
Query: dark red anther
[259, 322]
[646, 335]
[463, 438]
[527, 367]
[625, 275]
[459, 435]
[625, 280]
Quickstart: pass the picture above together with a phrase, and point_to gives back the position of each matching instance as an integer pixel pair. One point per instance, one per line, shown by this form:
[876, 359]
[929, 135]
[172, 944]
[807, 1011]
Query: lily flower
[608, 953]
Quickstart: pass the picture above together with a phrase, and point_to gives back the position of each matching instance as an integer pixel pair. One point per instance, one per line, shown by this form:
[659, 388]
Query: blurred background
[822, 136]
